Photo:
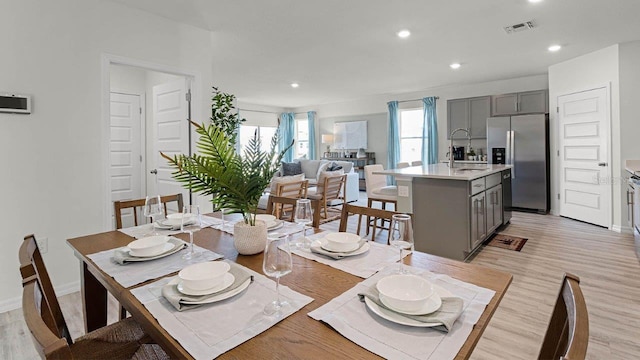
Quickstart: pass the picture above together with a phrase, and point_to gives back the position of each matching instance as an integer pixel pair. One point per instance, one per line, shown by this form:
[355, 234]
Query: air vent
[519, 27]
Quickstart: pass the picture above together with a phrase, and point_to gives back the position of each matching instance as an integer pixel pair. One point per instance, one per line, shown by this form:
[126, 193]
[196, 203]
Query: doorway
[149, 111]
[585, 170]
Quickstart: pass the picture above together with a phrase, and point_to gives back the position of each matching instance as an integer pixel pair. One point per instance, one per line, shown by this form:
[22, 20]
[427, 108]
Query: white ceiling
[345, 49]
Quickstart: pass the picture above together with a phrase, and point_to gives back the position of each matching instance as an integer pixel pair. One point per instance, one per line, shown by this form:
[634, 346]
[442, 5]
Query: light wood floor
[605, 262]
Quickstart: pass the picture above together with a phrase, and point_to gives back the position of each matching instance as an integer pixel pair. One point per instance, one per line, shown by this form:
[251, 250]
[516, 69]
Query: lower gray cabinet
[478, 220]
[494, 208]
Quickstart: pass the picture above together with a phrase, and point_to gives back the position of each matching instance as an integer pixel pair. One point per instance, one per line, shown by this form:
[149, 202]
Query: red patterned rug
[508, 242]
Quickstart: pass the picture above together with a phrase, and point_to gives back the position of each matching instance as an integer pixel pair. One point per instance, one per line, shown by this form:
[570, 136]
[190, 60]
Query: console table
[358, 163]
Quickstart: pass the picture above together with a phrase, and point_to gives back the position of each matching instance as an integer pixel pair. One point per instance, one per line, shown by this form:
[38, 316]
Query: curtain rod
[404, 101]
[267, 112]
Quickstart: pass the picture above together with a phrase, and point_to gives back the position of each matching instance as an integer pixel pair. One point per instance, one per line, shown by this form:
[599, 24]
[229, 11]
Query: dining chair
[416, 163]
[377, 188]
[292, 190]
[124, 339]
[567, 336]
[402, 165]
[277, 201]
[329, 188]
[370, 213]
[118, 206]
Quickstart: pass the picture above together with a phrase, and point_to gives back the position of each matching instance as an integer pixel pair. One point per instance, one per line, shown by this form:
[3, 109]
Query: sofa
[312, 169]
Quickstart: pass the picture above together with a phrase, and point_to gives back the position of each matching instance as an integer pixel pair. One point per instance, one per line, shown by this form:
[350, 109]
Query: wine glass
[303, 216]
[277, 263]
[190, 222]
[152, 208]
[401, 235]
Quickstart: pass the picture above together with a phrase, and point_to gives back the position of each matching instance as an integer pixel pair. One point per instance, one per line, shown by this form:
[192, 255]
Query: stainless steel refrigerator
[522, 141]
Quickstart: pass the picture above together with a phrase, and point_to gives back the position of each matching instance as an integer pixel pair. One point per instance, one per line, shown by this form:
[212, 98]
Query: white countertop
[462, 171]
[466, 161]
[632, 166]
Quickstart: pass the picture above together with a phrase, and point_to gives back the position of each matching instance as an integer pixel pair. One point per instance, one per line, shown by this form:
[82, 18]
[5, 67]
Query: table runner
[141, 231]
[351, 318]
[135, 273]
[211, 330]
[377, 258]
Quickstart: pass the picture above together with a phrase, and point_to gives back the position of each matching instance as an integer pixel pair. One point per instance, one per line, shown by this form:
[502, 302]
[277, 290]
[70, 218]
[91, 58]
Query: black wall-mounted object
[15, 103]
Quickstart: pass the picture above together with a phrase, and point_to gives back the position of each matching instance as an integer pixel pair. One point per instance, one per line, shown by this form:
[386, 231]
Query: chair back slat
[567, 336]
[275, 201]
[333, 187]
[118, 206]
[49, 308]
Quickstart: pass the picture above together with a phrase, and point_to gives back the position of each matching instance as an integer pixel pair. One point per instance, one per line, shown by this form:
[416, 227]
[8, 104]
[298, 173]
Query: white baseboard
[622, 229]
[16, 302]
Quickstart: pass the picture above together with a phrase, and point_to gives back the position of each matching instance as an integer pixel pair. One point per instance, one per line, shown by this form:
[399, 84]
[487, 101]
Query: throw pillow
[283, 180]
[333, 167]
[289, 169]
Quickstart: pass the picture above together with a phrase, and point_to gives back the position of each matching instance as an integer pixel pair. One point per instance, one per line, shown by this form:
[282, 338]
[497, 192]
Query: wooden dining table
[297, 336]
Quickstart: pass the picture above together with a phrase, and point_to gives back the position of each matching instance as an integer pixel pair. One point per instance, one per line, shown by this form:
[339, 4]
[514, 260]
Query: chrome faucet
[451, 144]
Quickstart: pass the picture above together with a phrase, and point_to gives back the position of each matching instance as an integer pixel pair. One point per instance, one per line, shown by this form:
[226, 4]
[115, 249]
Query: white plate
[214, 298]
[432, 304]
[226, 282]
[365, 247]
[399, 318]
[275, 225]
[168, 246]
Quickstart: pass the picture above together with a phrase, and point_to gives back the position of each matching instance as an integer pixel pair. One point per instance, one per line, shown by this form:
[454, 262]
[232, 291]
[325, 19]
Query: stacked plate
[271, 221]
[174, 221]
[342, 243]
[150, 246]
[206, 282]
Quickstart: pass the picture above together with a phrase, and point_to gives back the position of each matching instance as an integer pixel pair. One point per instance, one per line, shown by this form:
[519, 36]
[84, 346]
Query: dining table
[296, 336]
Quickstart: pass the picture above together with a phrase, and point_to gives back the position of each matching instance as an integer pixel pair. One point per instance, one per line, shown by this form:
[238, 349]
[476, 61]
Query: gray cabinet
[494, 208]
[529, 102]
[469, 113]
[478, 220]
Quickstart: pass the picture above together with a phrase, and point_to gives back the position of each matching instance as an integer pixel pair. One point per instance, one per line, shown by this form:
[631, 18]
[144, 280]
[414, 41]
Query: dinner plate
[226, 282]
[363, 249]
[177, 246]
[277, 224]
[169, 224]
[432, 304]
[214, 298]
[168, 246]
[401, 319]
[325, 245]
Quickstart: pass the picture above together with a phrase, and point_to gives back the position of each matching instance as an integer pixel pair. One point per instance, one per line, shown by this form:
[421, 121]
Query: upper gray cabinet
[469, 113]
[529, 102]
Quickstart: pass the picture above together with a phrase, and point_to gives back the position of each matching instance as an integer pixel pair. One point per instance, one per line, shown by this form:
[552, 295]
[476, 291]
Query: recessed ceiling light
[455, 66]
[404, 33]
[554, 48]
[294, 85]
[535, 1]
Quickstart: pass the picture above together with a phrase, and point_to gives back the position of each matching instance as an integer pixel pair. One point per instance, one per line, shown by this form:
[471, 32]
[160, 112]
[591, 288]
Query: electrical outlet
[403, 191]
[43, 244]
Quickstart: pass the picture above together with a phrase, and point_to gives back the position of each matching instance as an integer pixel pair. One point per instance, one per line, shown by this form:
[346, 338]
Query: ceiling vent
[527, 25]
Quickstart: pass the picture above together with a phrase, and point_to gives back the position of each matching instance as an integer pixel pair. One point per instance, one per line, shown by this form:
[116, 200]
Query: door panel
[171, 133]
[479, 111]
[125, 169]
[458, 115]
[585, 192]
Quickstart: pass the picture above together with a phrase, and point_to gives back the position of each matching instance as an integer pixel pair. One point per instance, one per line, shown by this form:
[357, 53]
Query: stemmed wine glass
[401, 236]
[304, 216]
[152, 208]
[277, 263]
[191, 221]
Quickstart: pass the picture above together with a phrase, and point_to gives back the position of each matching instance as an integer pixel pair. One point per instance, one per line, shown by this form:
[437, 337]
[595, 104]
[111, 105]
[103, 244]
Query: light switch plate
[403, 191]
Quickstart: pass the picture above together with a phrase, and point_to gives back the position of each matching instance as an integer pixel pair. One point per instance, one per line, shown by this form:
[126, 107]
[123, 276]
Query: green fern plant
[236, 181]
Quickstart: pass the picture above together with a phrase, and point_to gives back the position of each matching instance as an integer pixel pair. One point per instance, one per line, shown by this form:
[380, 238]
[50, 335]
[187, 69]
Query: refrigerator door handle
[512, 158]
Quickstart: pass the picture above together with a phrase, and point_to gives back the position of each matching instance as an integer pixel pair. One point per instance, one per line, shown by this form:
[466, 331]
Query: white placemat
[351, 318]
[288, 228]
[210, 330]
[141, 231]
[377, 258]
[131, 274]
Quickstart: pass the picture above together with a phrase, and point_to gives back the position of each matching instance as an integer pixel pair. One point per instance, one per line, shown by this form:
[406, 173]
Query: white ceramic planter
[250, 240]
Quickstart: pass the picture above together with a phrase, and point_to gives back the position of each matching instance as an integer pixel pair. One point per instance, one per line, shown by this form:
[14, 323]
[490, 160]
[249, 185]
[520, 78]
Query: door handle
[602, 164]
[154, 171]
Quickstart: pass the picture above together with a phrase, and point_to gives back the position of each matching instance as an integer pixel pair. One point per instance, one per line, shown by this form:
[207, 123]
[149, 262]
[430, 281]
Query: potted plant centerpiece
[235, 180]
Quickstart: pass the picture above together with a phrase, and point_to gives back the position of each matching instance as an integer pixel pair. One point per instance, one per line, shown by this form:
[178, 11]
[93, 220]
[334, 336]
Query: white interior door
[125, 167]
[171, 133]
[585, 189]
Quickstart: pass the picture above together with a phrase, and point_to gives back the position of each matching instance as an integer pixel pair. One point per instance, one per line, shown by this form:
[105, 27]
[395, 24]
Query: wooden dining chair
[118, 206]
[567, 336]
[331, 188]
[371, 216]
[277, 201]
[124, 339]
[292, 190]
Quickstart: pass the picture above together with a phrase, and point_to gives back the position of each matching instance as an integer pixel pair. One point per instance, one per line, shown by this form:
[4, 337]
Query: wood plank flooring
[605, 261]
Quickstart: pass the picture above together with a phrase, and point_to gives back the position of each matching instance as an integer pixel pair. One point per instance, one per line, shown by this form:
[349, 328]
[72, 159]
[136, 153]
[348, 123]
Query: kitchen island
[454, 209]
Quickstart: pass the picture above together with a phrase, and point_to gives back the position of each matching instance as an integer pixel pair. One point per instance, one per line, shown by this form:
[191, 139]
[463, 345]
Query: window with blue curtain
[311, 123]
[430, 131]
[393, 154]
[287, 133]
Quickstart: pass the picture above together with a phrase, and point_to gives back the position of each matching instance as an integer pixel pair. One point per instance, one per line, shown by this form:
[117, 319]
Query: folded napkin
[175, 297]
[317, 248]
[122, 257]
[447, 314]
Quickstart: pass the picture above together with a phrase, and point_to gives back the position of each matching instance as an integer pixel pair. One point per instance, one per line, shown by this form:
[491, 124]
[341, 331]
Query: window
[411, 122]
[302, 139]
[265, 133]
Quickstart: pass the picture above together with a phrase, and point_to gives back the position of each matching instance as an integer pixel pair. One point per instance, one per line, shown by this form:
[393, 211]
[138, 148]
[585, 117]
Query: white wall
[374, 108]
[53, 180]
[597, 69]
